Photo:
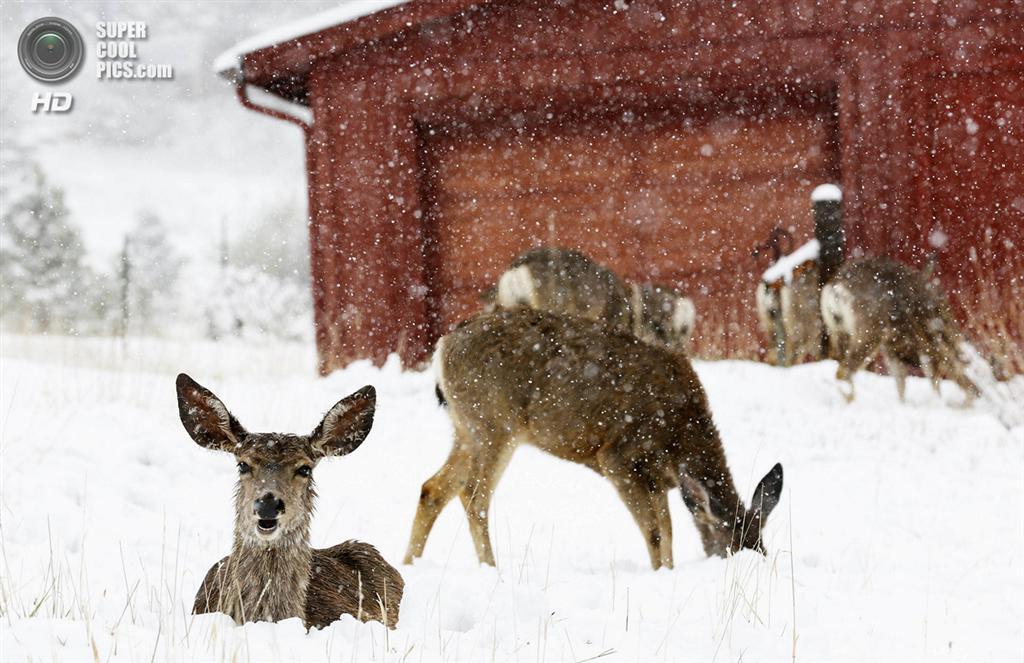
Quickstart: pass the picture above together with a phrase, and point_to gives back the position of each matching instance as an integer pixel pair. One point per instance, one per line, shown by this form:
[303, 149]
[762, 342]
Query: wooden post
[827, 205]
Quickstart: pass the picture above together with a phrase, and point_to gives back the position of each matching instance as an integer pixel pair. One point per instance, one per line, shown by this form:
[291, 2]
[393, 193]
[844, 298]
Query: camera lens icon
[50, 49]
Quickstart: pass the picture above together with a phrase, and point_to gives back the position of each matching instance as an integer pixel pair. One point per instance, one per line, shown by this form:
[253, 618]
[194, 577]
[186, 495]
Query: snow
[227, 61]
[783, 269]
[826, 192]
[896, 538]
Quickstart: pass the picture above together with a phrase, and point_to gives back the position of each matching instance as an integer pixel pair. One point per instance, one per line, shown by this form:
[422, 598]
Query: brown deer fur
[633, 412]
[877, 305]
[801, 315]
[798, 305]
[272, 572]
[569, 282]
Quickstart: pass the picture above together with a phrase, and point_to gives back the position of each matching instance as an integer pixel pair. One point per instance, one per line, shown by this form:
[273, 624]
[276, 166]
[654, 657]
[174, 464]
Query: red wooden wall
[928, 104]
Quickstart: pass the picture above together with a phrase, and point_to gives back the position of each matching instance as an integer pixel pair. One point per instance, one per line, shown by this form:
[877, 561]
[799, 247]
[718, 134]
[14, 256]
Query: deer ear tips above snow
[768, 491]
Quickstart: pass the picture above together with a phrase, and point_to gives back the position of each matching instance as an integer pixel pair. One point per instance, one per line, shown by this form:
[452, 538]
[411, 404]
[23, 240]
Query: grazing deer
[272, 573]
[633, 412]
[789, 307]
[568, 282]
[877, 305]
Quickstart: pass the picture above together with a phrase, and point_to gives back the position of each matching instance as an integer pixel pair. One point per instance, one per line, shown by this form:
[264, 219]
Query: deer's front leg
[640, 502]
[898, 370]
[660, 503]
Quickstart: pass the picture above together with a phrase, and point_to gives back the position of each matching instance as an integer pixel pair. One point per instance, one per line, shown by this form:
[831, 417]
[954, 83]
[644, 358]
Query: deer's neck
[712, 471]
[269, 582]
[725, 501]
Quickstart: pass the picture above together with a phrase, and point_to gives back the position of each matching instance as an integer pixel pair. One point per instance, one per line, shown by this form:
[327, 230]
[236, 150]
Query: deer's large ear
[206, 418]
[768, 493]
[345, 425]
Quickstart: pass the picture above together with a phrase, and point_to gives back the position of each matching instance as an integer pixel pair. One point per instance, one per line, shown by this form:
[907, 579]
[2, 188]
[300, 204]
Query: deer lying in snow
[879, 305]
[272, 573]
[568, 282]
[635, 413]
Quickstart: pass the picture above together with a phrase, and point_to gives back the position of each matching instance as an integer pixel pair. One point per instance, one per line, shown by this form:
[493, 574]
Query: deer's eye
[304, 471]
[243, 468]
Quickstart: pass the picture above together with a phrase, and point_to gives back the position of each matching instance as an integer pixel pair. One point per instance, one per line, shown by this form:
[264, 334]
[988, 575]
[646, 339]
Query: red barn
[665, 138]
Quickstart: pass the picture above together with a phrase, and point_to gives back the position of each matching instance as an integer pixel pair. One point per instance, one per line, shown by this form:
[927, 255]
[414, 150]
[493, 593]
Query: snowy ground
[898, 537]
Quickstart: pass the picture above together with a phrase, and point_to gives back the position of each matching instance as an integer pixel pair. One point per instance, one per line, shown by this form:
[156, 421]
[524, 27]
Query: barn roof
[303, 27]
[279, 60]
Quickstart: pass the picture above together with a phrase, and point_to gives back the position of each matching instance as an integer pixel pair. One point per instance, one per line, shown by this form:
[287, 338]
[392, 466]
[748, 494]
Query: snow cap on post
[824, 192]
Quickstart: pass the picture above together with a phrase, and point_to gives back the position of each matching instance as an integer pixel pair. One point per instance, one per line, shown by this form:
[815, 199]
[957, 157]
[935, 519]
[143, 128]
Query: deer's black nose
[268, 507]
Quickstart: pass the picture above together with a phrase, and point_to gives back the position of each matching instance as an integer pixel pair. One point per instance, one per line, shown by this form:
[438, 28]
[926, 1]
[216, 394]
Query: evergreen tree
[41, 268]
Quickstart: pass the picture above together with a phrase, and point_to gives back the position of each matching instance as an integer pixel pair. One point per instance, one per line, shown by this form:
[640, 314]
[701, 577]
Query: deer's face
[723, 537]
[724, 531]
[274, 495]
[275, 492]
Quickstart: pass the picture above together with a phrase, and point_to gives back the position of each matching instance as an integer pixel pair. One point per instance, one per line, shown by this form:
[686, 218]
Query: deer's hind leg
[488, 465]
[857, 354]
[437, 491]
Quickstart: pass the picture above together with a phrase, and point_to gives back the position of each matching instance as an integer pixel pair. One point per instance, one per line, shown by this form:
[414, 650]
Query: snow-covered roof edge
[227, 62]
[783, 269]
[826, 192]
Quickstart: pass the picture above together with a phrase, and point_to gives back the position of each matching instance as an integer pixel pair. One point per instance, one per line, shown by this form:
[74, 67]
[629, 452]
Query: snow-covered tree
[277, 243]
[259, 288]
[41, 269]
[148, 270]
[249, 303]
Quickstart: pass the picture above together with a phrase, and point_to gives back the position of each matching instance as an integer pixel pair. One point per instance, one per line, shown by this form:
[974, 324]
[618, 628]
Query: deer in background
[789, 293]
[789, 310]
[633, 412]
[272, 572]
[568, 282]
[877, 305]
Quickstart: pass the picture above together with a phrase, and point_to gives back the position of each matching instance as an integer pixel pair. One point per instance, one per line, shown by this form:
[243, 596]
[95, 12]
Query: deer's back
[885, 289]
[897, 302]
[574, 387]
[340, 573]
[568, 282]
